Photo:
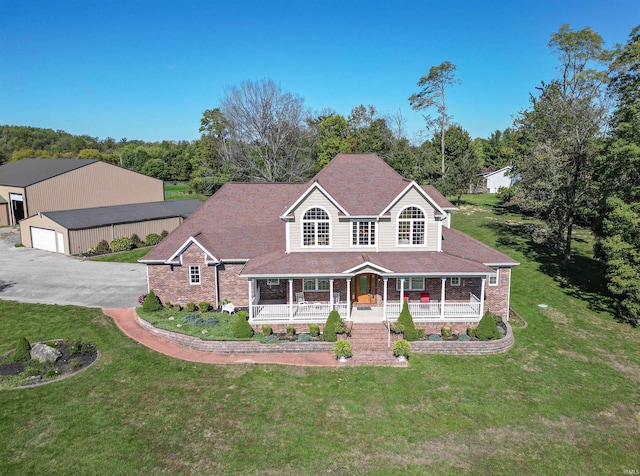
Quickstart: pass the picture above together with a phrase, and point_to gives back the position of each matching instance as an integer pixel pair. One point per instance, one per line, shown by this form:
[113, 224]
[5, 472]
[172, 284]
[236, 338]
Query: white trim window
[411, 284]
[194, 274]
[411, 227]
[455, 280]
[315, 284]
[273, 282]
[363, 233]
[493, 278]
[316, 227]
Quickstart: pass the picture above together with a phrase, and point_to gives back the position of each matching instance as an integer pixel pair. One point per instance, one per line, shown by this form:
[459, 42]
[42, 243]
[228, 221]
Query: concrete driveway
[36, 276]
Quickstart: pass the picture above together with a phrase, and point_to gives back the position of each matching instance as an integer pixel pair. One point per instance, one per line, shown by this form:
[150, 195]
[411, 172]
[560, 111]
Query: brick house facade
[292, 252]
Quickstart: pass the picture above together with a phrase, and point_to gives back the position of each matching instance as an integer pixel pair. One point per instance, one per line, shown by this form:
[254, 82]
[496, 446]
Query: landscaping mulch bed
[19, 374]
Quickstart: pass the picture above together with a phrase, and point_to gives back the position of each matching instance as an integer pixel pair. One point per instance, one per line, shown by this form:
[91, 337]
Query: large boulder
[44, 353]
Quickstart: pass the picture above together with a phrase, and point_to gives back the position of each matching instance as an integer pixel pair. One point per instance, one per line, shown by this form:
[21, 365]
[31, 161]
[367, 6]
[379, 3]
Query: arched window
[411, 226]
[315, 227]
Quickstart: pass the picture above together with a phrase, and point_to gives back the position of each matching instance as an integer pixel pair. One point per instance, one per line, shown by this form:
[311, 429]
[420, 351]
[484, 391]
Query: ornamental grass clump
[241, 328]
[151, 303]
[405, 319]
[401, 348]
[487, 329]
[342, 349]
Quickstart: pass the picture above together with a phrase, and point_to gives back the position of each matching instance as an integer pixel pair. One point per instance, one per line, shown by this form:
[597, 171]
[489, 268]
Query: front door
[365, 288]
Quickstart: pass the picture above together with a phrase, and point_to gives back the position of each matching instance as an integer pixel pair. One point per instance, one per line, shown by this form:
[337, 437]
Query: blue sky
[148, 69]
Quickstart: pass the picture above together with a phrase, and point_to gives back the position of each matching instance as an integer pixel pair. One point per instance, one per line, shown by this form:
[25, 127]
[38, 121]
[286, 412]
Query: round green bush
[102, 247]
[121, 244]
[487, 329]
[151, 303]
[204, 306]
[241, 328]
[267, 330]
[152, 239]
[401, 347]
[314, 330]
[446, 331]
[342, 348]
[191, 306]
[135, 239]
[22, 350]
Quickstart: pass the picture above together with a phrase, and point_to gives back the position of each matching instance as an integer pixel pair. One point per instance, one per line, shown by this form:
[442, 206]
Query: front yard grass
[564, 400]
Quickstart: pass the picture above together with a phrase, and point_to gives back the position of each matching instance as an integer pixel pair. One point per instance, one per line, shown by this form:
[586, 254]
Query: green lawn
[563, 400]
[179, 191]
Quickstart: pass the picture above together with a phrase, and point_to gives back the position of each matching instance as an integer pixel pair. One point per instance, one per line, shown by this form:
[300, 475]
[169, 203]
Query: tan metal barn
[30, 186]
[75, 231]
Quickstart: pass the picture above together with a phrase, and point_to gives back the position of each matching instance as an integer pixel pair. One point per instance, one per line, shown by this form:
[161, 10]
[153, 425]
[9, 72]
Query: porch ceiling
[336, 263]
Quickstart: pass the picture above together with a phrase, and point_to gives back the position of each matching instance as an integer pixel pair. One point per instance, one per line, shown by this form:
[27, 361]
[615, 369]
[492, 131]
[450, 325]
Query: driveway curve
[36, 276]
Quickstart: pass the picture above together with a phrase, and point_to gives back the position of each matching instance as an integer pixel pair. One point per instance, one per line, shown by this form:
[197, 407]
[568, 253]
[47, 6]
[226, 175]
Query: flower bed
[474, 347]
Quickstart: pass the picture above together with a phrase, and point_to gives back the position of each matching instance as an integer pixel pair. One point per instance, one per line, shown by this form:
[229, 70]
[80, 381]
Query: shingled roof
[84, 218]
[25, 172]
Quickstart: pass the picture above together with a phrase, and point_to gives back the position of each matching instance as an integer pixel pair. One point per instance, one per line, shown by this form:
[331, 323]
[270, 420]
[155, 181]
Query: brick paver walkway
[126, 320]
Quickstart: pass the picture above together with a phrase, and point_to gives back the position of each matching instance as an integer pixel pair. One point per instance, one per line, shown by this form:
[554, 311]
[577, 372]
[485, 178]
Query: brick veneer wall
[497, 297]
[171, 283]
[233, 287]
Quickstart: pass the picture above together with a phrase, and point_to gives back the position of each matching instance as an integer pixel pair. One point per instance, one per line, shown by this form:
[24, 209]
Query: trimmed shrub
[177, 307]
[121, 244]
[242, 329]
[471, 331]
[446, 331]
[22, 350]
[168, 306]
[487, 329]
[401, 347]
[303, 338]
[204, 306]
[291, 331]
[191, 307]
[266, 330]
[342, 348]
[314, 330]
[135, 239]
[152, 239]
[102, 247]
[151, 303]
[163, 234]
[329, 329]
[406, 321]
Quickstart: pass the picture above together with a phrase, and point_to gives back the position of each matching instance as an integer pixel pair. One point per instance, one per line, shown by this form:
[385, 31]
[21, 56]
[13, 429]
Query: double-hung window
[493, 278]
[411, 226]
[315, 285]
[411, 284]
[315, 227]
[194, 274]
[363, 233]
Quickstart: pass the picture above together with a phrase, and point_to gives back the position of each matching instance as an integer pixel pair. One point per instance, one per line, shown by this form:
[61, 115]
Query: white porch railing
[310, 312]
[433, 310]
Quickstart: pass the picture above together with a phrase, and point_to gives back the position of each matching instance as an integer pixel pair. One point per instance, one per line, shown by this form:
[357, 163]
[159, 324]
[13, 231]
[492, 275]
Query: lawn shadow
[582, 278]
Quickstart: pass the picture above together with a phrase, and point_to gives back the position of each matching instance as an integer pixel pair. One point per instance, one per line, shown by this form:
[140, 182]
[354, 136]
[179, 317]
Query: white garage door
[43, 239]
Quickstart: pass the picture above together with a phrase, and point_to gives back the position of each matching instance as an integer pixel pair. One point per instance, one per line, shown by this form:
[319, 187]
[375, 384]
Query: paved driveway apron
[29, 275]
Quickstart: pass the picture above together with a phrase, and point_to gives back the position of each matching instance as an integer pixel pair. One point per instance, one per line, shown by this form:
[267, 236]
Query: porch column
[401, 293]
[444, 282]
[348, 299]
[384, 298]
[331, 301]
[482, 296]
[291, 299]
[250, 300]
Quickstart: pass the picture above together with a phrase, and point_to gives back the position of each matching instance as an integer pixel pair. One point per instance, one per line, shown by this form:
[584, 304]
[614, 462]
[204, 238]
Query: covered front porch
[368, 296]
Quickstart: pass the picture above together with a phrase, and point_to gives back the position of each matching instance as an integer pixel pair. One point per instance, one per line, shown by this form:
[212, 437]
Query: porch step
[369, 337]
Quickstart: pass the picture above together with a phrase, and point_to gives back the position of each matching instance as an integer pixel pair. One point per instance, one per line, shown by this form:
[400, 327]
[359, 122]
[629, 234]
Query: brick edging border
[465, 348]
[235, 346]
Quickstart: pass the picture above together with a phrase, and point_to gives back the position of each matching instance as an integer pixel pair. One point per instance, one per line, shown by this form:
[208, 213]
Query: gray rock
[44, 353]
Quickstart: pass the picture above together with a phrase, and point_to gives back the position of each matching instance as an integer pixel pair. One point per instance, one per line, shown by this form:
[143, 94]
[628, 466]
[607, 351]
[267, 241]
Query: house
[492, 182]
[76, 231]
[31, 186]
[357, 237]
